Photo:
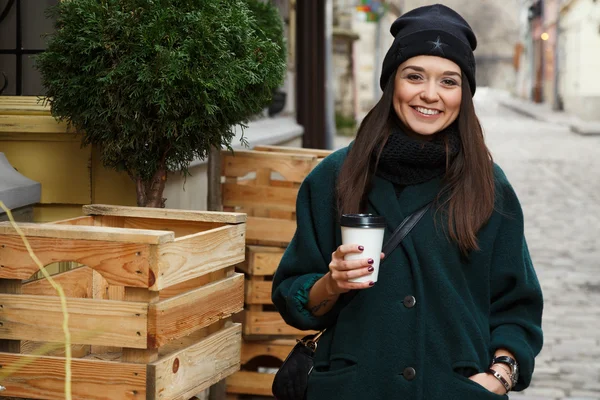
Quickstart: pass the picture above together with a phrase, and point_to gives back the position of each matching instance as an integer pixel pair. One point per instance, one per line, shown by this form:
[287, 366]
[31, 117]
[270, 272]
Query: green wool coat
[465, 308]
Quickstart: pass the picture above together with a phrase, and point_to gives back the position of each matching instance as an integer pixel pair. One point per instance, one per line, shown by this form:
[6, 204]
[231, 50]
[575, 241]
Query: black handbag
[291, 380]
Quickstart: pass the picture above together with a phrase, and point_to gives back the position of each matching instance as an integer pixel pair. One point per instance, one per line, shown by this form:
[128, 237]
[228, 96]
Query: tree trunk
[150, 193]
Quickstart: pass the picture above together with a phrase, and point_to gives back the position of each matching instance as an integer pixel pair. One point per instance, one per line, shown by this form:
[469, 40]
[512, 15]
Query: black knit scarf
[409, 161]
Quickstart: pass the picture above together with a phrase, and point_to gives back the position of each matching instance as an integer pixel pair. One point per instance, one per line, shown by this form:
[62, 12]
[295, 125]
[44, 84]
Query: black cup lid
[362, 221]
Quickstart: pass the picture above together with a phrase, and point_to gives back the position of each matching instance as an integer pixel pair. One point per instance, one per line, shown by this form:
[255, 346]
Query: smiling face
[427, 94]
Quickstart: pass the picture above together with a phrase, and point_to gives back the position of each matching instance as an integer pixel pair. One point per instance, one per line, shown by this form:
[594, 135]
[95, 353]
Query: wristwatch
[512, 363]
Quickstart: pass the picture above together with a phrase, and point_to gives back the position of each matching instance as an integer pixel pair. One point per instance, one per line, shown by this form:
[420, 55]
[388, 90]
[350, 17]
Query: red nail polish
[361, 248]
[370, 261]
[371, 283]
[371, 269]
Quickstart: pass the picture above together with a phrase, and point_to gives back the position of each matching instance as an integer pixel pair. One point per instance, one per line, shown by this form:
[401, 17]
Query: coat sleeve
[308, 255]
[516, 296]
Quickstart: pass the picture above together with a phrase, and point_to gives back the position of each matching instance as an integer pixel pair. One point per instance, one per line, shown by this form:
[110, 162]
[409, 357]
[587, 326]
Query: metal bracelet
[499, 376]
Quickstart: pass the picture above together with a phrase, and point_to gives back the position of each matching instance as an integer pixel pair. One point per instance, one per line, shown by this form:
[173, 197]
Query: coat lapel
[382, 199]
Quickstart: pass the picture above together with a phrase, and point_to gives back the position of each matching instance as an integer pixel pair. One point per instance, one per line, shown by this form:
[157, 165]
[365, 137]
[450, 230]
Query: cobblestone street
[556, 174]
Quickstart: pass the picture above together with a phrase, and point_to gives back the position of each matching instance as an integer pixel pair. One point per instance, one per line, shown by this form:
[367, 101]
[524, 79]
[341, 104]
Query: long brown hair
[467, 195]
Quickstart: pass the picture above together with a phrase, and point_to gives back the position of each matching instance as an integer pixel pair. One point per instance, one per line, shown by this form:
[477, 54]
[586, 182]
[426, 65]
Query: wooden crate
[250, 380]
[264, 184]
[260, 320]
[149, 309]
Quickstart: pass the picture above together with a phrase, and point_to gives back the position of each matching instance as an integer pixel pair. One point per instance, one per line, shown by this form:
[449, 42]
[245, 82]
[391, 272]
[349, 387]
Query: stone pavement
[556, 174]
[543, 112]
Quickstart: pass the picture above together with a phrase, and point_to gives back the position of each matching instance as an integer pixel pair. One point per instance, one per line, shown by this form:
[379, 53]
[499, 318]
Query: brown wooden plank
[268, 323]
[191, 370]
[195, 255]
[275, 348]
[165, 213]
[294, 150]
[41, 377]
[180, 228]
[258, 292]
[293, 167]
[89, 233]
[102, 290]
[248, 382]
[75, 283]
[192, 284]
[15, 287]
[102, 322]
[125, 264]
[181, 315]
[79, 221]
[54, 349]
[144, 355]
[262, 260]
[279, 198]
[270, 231]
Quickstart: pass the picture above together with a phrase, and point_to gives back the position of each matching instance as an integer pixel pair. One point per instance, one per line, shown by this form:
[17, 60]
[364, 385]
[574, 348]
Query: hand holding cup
[342, 271]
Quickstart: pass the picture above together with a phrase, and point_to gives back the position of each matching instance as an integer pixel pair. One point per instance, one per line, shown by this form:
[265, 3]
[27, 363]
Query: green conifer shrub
[155, 83]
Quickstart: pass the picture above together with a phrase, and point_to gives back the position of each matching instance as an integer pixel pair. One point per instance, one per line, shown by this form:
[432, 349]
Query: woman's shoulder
[506, 198]
[330, 165]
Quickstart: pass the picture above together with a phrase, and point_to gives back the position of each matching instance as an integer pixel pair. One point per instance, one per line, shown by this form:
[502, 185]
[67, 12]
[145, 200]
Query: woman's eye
[414, 77]
[449, 82]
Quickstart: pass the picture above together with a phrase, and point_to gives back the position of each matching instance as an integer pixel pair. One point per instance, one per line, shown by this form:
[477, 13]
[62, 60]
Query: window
[22, 26]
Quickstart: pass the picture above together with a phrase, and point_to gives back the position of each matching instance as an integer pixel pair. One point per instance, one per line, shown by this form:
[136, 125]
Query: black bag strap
[404, 229]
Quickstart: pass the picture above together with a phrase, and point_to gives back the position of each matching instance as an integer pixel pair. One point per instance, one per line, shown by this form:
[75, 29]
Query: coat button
[409, 373]
[409, 301]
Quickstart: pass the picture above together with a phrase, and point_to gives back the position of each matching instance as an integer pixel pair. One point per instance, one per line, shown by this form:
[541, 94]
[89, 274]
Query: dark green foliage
[155, 83]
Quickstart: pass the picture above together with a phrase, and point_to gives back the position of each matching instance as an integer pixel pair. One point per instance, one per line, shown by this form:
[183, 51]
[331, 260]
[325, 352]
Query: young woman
[456, 311]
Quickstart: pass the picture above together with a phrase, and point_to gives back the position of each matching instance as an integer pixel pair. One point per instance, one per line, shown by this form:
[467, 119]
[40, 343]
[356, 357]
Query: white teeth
[427, 111]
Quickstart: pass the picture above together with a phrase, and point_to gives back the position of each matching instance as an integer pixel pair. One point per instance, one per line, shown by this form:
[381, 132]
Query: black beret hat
[434, 30]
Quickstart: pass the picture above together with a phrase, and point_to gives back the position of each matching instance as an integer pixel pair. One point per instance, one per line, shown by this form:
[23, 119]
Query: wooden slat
[294, 150]
[192, 256]
[102, 322]
[123, 264]
[270, 231]
[268, 323]
[291, 166]
[80, 221]
[164, 213]
[75, 283]
[97, 233]
[258, 292]
[191, 370]
[32, 124]
[180, 228]
[280, 198]
[14, 287]
[192, 284]
[262, 260]
[53, 349]
[275, 348]
[248, 382]
[181, 315]
[40, 377]
[144, 355]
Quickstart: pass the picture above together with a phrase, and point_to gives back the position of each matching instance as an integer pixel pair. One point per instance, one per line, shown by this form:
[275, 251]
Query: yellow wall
[44, 150]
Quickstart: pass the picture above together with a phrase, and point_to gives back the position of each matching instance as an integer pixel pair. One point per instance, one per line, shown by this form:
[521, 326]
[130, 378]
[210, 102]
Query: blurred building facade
[559, 61]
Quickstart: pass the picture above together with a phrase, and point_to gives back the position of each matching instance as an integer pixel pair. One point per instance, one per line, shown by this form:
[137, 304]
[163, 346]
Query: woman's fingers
[346, 275]
[344, 249]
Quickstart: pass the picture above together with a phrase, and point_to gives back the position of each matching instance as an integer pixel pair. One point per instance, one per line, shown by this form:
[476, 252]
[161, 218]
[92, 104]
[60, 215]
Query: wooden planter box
[149, 307]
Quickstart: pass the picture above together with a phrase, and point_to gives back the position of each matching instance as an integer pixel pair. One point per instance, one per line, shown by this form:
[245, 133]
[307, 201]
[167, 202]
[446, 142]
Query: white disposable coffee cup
[364, 230]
